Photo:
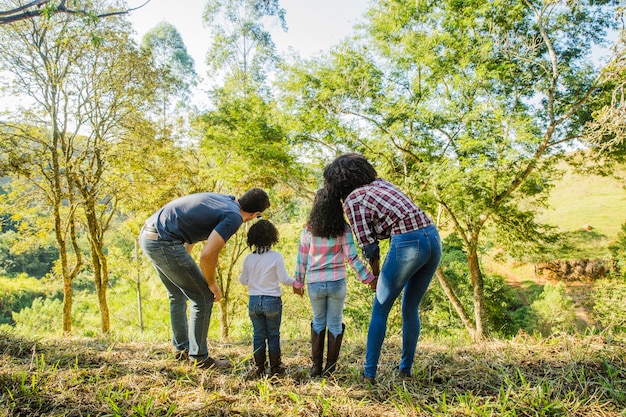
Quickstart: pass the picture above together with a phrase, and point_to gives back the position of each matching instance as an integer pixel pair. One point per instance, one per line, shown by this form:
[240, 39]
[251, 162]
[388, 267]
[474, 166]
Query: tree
[48, 8]
[83, 97]
[176, 70]
[245, 134]
[248, 146]
[242, 49]
[465, 105]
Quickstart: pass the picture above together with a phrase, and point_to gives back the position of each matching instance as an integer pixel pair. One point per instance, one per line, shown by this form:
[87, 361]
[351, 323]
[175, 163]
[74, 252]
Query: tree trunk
[456, 303]
[100, 268]
[224, 319]
[479, 294]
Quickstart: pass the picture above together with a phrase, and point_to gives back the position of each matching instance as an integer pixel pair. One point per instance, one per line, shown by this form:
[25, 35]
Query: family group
[374, 209]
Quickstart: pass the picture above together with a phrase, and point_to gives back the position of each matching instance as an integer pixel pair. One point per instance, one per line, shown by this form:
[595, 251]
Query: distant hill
[588, 203]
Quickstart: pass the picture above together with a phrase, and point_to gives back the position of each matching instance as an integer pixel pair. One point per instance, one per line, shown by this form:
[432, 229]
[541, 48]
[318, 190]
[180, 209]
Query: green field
[579, 200]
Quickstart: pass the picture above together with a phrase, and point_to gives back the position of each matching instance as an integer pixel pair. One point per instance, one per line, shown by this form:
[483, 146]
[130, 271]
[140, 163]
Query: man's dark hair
[254, 200]
[326, 216]
[262, 234]
[346, 173]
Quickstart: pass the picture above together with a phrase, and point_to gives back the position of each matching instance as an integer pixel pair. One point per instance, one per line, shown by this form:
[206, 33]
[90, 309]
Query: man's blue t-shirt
[192, 218]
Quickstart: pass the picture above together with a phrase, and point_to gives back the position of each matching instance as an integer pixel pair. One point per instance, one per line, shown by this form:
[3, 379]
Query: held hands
[375, 266]
[299, 291]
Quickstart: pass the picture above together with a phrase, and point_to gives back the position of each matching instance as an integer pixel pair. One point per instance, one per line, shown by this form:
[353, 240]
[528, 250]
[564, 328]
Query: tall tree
[81, 97]
[37, 150]
[242, 50]
[465, 105]
[245, 132]
[177, 73]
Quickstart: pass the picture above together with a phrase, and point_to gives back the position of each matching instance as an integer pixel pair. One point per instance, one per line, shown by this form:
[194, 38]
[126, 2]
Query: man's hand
[299, 291]
[217, 292]
[208, 262]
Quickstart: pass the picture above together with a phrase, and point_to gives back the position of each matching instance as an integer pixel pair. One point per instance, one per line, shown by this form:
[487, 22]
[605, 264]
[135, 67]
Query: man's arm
[208, 262]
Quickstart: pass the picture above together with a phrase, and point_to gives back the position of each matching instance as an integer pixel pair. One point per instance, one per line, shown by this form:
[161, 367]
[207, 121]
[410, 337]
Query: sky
[313, 25]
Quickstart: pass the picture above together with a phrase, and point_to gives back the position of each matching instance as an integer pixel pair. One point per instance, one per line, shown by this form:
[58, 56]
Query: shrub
[553, 310]
[609, 299]
[18, 293]
[44, 316]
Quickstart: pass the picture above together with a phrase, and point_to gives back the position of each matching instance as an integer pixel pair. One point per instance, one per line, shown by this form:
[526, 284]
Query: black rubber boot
[259, 361]
[332, 354]
[317, 351]
[276, 365]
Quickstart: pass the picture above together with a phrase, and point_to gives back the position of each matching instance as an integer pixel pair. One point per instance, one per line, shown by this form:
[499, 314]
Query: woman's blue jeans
[265, 312]
[183, 281]
[327, 301]
[410, 264]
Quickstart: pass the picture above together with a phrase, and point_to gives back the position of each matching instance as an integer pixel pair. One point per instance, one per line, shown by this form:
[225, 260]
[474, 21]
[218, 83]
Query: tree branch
[34, 9]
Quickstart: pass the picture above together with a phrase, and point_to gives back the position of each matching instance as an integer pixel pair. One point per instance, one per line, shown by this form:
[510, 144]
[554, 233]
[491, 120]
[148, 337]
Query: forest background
[485, 113]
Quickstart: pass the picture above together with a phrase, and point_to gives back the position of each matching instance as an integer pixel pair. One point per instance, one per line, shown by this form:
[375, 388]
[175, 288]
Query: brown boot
[276, 365]
[317, 351]
[332, 354]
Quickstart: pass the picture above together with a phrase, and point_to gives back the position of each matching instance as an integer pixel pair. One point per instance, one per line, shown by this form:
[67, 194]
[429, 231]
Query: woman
[378, 210]
[326, 243]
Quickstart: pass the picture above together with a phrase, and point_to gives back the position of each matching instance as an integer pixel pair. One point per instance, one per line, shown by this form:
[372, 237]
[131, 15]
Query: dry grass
[527, 376]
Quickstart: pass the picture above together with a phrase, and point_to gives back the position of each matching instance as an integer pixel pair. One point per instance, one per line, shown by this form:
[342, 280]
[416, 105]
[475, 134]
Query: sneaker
[209, 362]
[181, 355]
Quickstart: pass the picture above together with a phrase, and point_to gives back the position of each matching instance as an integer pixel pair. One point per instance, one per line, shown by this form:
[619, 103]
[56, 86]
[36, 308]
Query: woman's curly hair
[262, 234]
[346, 173]
[326, 216]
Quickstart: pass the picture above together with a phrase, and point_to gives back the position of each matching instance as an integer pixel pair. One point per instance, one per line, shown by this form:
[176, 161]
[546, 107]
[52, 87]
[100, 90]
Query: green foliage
[553, 310]
[19, 292]
[35, 261]
[609, 299]
[618, 251]
[29, 320]
[242, 48]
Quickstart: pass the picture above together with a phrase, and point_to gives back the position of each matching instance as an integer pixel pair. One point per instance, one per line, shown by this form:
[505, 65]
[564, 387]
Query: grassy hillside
[579, 200]
[526, 376]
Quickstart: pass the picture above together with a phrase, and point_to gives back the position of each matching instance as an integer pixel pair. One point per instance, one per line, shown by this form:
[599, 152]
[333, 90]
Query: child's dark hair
[262, 234]
[326, 216]
[346, 173]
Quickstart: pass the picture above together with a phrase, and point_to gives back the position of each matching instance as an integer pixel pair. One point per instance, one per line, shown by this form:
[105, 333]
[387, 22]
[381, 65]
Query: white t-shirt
[263, 274]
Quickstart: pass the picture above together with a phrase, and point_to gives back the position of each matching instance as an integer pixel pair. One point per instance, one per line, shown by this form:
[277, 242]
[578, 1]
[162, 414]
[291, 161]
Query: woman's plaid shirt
[379, 209]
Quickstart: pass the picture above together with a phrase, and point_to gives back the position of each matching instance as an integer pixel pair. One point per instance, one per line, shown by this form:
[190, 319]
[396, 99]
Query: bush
[618, 252]
[18, 293]
[553, 310]
[45, 316]
[609, 299]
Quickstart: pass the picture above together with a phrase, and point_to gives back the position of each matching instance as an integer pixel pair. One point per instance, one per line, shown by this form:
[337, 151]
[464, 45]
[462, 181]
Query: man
[167, 239]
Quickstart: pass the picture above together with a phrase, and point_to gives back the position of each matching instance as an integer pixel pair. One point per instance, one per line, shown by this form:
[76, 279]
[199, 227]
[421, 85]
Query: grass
[527, 376]
[578, 200]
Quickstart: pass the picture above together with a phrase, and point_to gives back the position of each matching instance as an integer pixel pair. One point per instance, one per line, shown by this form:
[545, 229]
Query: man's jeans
[266, 312]
[410, 265]
[327, 301]
[183, 281]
